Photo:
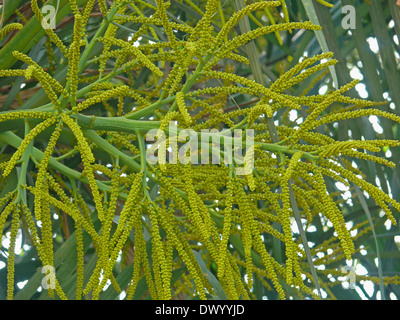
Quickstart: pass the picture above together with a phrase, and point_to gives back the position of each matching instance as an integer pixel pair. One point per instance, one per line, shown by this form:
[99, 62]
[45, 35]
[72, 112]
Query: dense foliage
[77, 189]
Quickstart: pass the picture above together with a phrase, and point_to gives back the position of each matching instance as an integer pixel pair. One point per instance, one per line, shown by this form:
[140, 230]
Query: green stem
[150, 109]
[110, 149]
[125, 125]
[171, 98]
[115, 123]
[67, 155]
[88, 49]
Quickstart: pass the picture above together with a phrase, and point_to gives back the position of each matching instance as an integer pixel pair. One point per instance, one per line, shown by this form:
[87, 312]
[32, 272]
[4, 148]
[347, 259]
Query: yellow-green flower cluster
[184, 212]
[43, 169]
[335, 216]
[104, 96]
[226, 229]
[26, 114]
[203, 29]
[180, 99]
[288, 79]
[129, 49]
[20, 16]
[162, 271]
[25, 143]
[35, 70]
[161, 12]
[239, 15]
[11, 253]
[255, 111]
[80, 260]
[87, 159]
[343, 146]
[74, 7]
[6, 29]
[49, 31]
[74, 55]
[251, 35]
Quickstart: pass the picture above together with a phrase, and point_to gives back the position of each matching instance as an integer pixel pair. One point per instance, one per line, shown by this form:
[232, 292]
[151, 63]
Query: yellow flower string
[286, 80]
[247, 221]
[6, 29]
[87, 159]
[177, 210]
[47, 231]
[74, 7]
[128, 209]
[49, 32]
[41, 75]
[104, 96]
[226, 229]
[246, 37]
[127, 47]
[110, 33]
[25, 143]
[20, 16]
[11, 253]
[182, 107]
[74, 56]
[70, 208]
[160, 257]
[80, 260]
[40, 180]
